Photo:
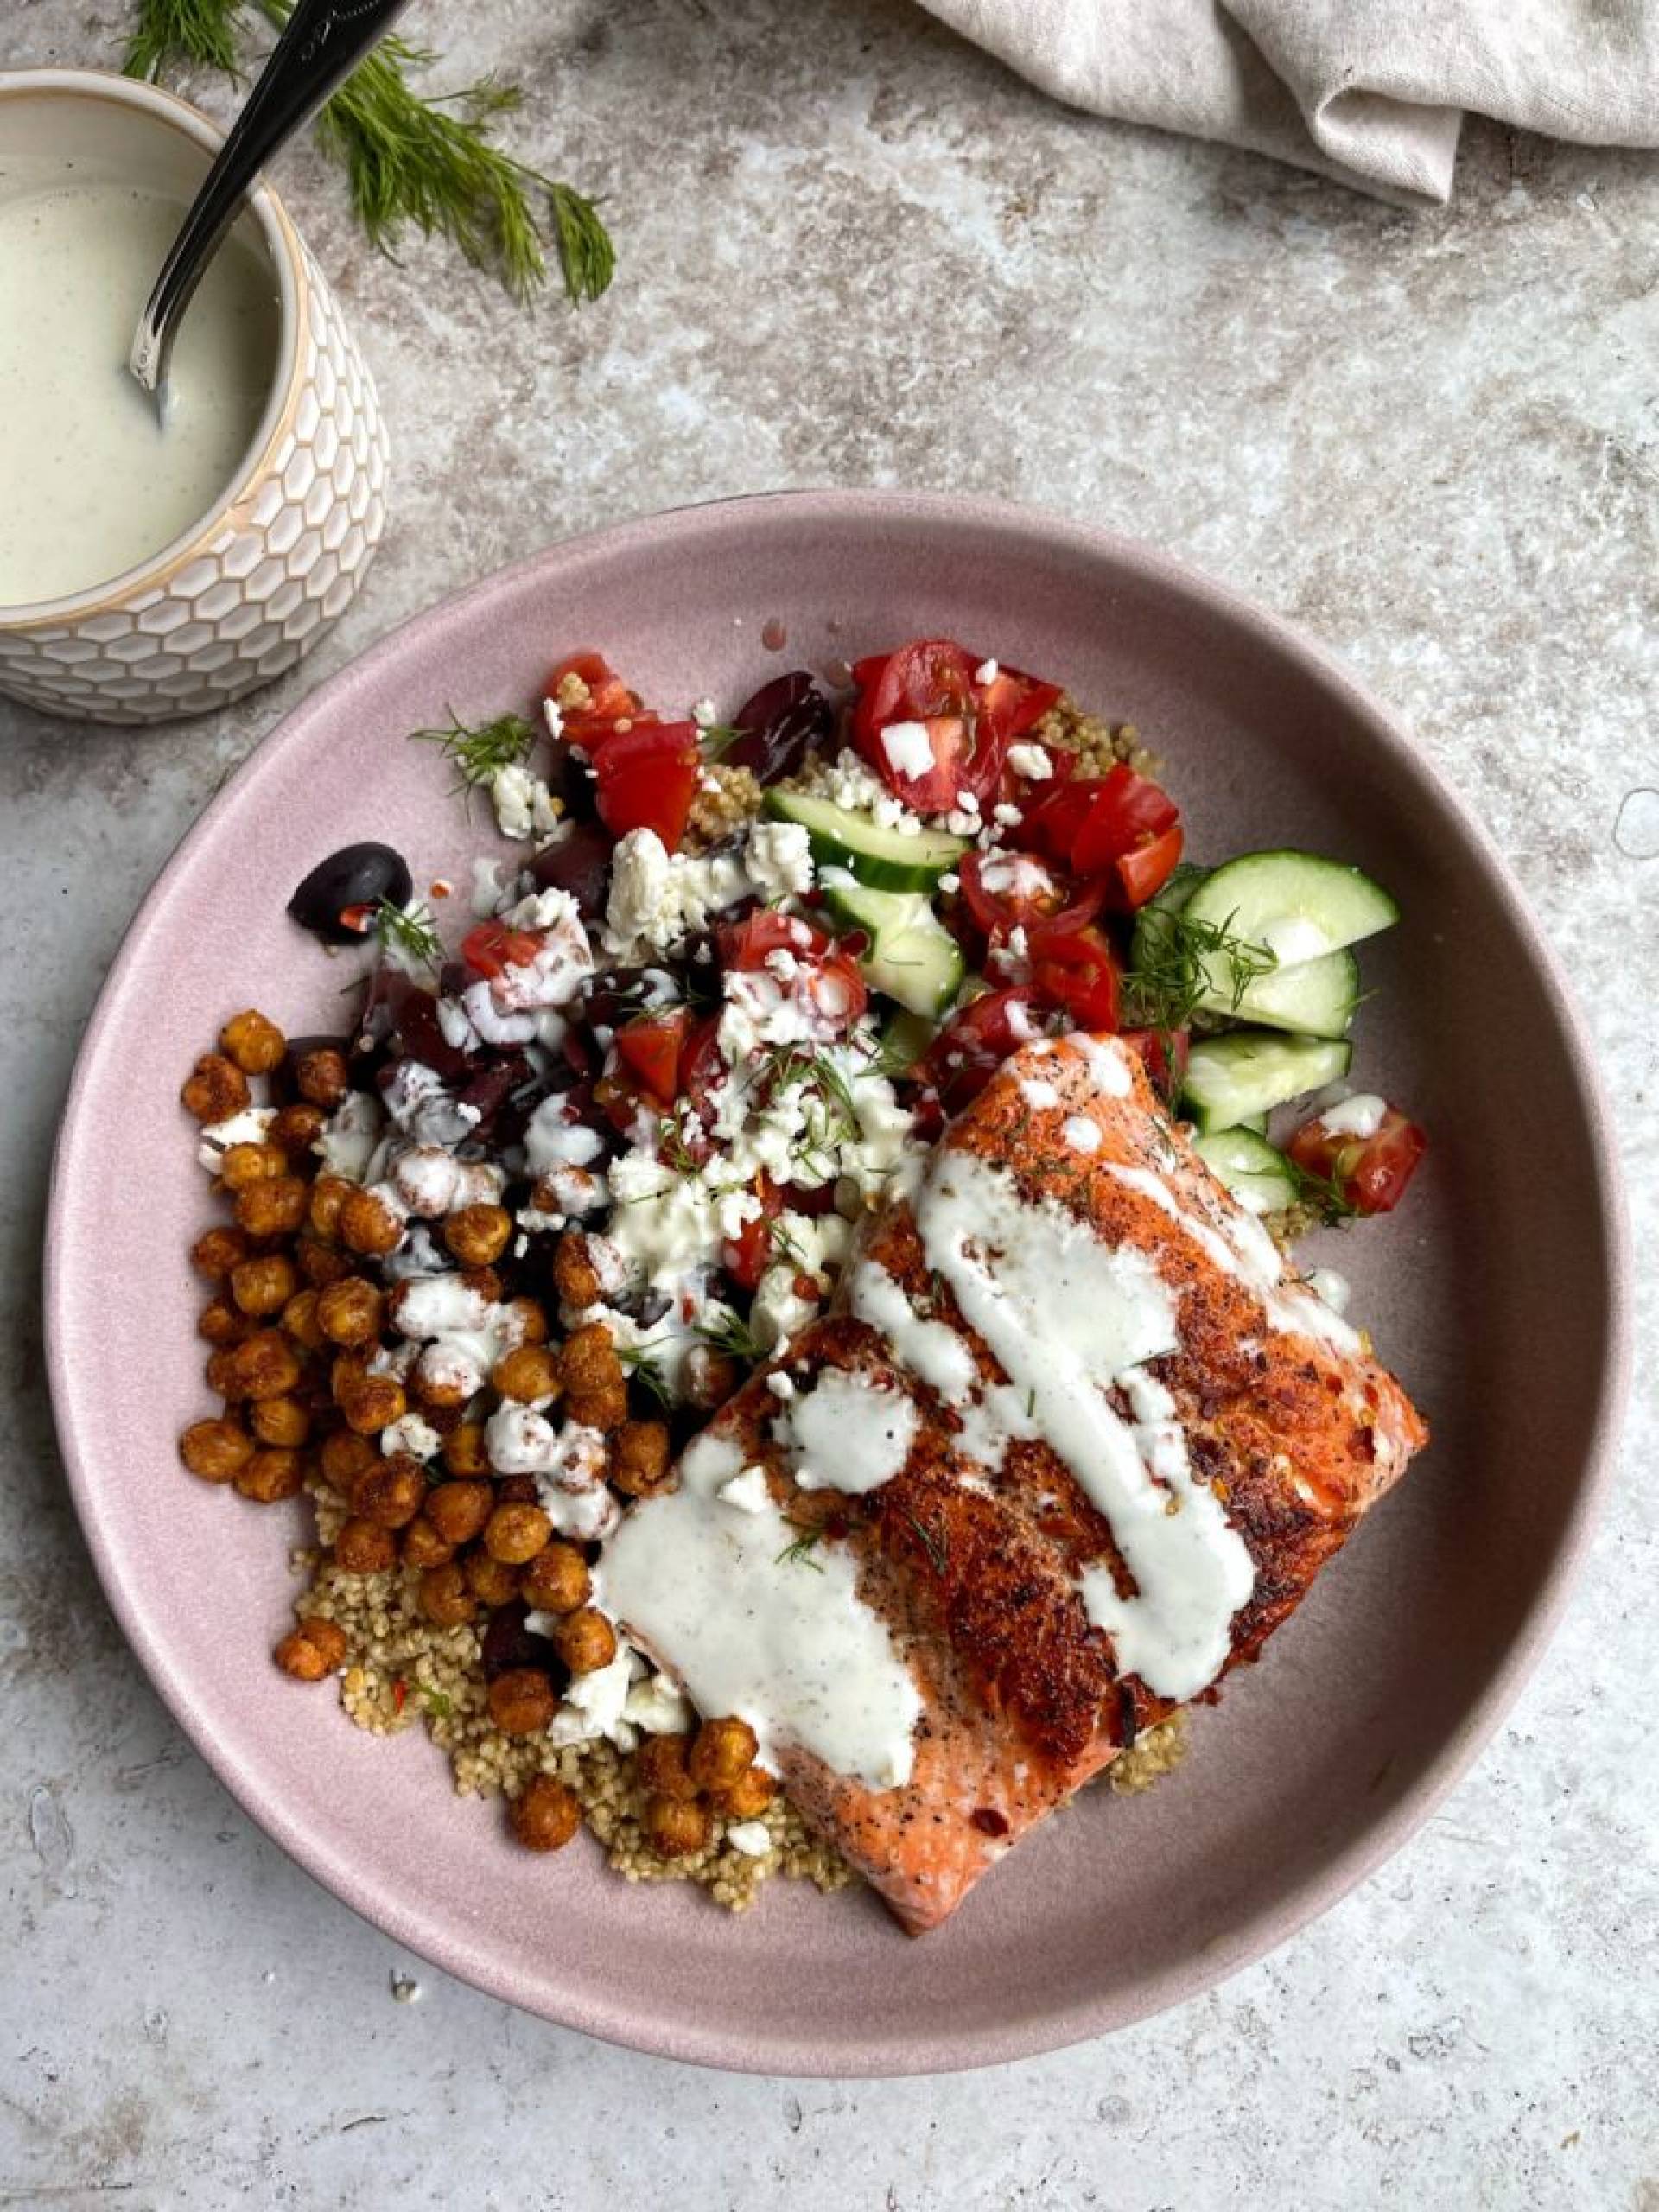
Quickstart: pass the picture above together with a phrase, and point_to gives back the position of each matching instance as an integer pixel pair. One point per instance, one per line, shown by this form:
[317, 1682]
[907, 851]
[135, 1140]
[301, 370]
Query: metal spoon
[322, 42]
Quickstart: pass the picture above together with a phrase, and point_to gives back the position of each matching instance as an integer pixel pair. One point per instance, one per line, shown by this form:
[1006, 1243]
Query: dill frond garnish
[729, 1334]
[430, 163]
[934, 1541]
[1322, 1194]
[1181, 963]
[637, 1359]
[408, 930]
[480, 749]
[799, 1554]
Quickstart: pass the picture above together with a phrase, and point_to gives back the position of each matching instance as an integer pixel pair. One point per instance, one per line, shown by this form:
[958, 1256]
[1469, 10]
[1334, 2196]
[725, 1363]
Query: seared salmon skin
[1073, 1444]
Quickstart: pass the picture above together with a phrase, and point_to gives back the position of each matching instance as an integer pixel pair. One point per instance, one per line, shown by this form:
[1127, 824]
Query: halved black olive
[779, 723]
[581, 864]
[336, 902]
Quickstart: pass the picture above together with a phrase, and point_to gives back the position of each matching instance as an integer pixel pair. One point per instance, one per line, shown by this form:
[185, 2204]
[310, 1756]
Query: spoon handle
[322, 42]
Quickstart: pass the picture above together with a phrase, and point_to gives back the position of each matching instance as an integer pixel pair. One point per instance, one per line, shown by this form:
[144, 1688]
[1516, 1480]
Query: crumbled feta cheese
[512, 796]
[779, 1312]
[778, 859]
[949, 882]
[704, 713]
[658, 899]
[780, 1387]
[746, 1492]
[554, 719]
[987, 672]
[752, 1838]
[1031, 761]
[413, 1436]
[1004, 814]
[908, 748]
[593, 1704]
[657, 1708]
[488, 890]
[847, 783]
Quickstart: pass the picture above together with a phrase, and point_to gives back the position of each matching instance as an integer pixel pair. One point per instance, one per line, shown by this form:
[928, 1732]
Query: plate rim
[946, 2050]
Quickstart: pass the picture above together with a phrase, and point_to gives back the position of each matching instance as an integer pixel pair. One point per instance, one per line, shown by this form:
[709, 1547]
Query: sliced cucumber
[1255, 1123]
[1251, 1070]
[885, 858]
[1315, 998]
[1258, 1177]
[903, 1040]
[1299, 906]
[911, 956]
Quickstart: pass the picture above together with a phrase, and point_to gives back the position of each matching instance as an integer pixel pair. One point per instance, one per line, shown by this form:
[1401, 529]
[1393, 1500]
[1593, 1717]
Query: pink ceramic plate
[1496, 1292]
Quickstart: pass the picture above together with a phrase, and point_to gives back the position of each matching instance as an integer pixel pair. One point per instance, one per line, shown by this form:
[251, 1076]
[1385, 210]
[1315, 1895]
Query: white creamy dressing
[1358, 1116]
[1080, 1133]
[94, 482]
[785, 1643]
[1067, 1318]
[846, 1434]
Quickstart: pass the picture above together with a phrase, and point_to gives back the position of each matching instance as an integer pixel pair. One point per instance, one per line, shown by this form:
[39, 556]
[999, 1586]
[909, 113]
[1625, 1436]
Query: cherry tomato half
[974, 1043]
[647, 778]
[746, 944]
[1369, 1174]
[649, 1048]
[492, 948]
[746, 1256]
[1076, 970]
[609, 698]
[1010, 891]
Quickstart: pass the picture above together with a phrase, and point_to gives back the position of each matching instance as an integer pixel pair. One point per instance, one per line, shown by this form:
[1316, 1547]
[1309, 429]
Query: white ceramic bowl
[241, 594]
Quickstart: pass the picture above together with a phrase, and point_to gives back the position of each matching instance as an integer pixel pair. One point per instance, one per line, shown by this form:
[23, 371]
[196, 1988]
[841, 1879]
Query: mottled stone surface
[855, 252]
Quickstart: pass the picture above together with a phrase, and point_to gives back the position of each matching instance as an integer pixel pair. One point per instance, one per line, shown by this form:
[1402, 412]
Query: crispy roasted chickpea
[445, 1599]
[296, 1128]
[457, 1510]
[604, 1410]
[273, 1208]
[344, 1456]
[319, 1263]
[545, 1814]
[216, 1450]
[323, 1077]
[517, 1490]
[521, 1701]
[478, 1236]
[574, 1276]
[265, 1284]
[556, 1580]
[748, 1797]
[464, 1452]
[588, 1362]
[328, 1194]
[222, 1323]
[514, 1534]
[530, 1373]
[674, 1829]
[217, 1089]
[272, 1475]
[284, 1422]
[263, 1365]
[241, 1166]
[312, 1650]
[216, 1250]
[659, 1766]
[722, 1750]
[585, 1641]
[368, 1225]
[221, 1376]
[485, 1281]
[639, 1458]
[391, 1494]
[370, 1403]
[492, 1581]
[360, 1547]
[299, 1320]
[423, 1546]
[350, 1311]
[256, 1045]
[711, 1376]
[529, 1317]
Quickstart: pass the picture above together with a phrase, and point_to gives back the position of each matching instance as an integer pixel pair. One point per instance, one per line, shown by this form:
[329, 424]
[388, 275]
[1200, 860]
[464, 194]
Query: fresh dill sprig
[671, 1144]
[716, 738]
[408, 930]
[637, 1359]
[799, 1554]
[787, 1067]
[1181, 963]
[1323, 1193]
[480, 749]
[437, 1703]
[934, 1541]
[783, 1242]
[730, 1333]
[410, 160]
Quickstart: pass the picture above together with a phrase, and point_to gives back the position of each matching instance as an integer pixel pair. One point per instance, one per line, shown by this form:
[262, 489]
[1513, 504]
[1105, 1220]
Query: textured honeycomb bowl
[254, 586]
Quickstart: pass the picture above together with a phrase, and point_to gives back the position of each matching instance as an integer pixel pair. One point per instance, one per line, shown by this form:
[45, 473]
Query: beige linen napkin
[1371, 91]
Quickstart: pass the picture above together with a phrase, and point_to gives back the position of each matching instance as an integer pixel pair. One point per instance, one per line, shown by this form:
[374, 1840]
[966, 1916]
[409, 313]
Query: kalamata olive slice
[508, 1643]
[779, 723]
[421, 1038]
[580, 864]
[350, 882]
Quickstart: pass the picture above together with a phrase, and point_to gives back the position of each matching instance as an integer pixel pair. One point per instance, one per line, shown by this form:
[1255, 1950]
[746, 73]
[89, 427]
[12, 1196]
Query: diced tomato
[1054, 817]
[746, 944]
[973, 1044]
[1142, 873]
[746, 1256]
[647, 777]
[1009, 891]
[1011, 703]
[492, 948]
[1367, 1173]
[1165, 1051]
[1076, 970]
[702, 1071]
[609, 697]
[649, 1048]
[932, 681]
[837, 991]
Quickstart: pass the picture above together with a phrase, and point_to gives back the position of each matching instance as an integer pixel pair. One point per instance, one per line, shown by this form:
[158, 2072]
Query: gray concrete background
[854, 251]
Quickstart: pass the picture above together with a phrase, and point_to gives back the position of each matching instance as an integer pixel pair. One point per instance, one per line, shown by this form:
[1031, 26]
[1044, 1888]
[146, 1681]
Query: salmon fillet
[998, 1556]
